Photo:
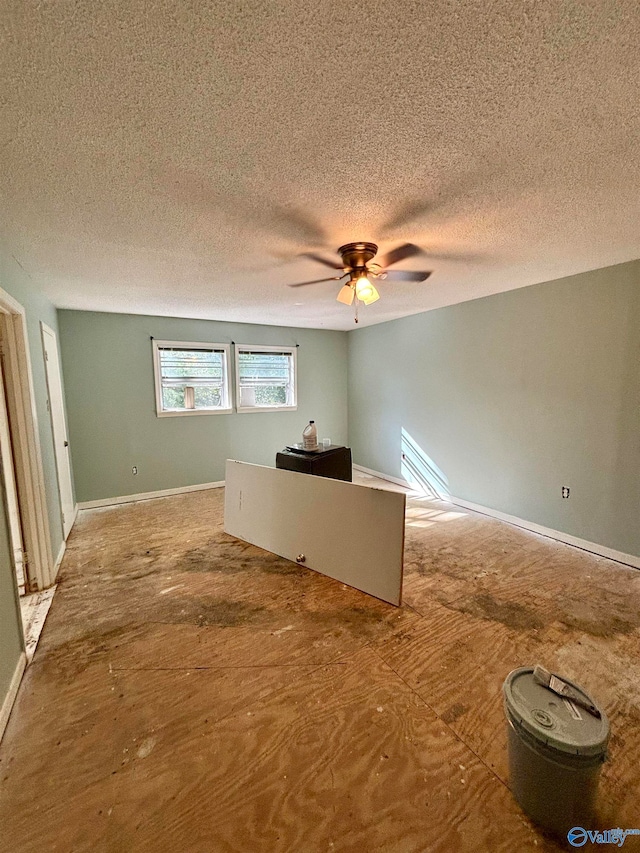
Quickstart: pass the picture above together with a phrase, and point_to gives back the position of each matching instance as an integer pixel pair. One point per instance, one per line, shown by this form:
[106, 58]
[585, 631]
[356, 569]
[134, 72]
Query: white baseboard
[12, 692]
[558, 535]
[397, 480]
[56, 565]
[147, 496]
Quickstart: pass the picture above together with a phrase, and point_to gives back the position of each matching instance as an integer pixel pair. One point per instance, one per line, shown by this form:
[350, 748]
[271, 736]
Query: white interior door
[351, 533]
[11, 492]
[59, 425]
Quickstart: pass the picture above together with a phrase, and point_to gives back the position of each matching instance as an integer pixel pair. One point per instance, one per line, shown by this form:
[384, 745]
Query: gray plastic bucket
[556, 751]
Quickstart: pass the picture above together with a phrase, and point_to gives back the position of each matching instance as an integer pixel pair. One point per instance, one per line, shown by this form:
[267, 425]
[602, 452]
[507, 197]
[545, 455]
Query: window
[265, 378]
[191, 379]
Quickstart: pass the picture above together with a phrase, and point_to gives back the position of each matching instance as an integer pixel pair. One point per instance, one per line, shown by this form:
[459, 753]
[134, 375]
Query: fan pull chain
[355, 302]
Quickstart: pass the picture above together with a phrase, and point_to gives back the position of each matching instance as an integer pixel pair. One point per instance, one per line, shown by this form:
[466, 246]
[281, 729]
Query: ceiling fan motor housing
[357, 255]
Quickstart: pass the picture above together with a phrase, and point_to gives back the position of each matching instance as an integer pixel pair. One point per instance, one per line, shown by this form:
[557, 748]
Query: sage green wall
[18, 284]
[513, 396]
[109, 383]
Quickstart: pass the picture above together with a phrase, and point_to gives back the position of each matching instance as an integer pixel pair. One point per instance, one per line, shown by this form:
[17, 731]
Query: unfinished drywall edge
[147, 496]
[558, 535]
[10, 698]
[567, 538]
[34, 617]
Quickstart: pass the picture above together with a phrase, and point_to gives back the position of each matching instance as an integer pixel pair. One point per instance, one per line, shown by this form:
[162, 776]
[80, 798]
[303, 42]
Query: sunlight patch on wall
[420, 470]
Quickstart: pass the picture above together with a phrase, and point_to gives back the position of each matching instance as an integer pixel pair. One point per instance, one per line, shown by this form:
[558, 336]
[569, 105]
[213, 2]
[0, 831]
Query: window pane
[173, 397]
[191, 364]
[207, 397]
[271, 395]
[263, 368]
[265, 379]
[193, 378]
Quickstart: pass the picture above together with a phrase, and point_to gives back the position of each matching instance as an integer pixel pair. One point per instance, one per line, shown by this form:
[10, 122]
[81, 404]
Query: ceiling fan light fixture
[373, 297]
[346, 295]
[365, 291]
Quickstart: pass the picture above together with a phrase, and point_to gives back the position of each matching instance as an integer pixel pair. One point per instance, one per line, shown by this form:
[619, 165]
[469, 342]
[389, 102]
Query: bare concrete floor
[193, 693]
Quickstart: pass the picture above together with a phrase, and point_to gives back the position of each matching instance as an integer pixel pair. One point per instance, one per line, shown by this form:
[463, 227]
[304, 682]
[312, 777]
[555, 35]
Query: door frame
[13, 514]
[23, 419]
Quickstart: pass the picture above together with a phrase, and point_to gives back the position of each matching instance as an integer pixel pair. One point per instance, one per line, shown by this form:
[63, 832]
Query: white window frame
[194, 345]
[293, 351]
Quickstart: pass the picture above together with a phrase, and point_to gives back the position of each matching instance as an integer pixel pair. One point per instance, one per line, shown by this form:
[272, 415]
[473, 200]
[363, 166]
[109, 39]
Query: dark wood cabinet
[333, 462]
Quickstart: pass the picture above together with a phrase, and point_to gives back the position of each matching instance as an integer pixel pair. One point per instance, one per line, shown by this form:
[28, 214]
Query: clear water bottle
[310, 436]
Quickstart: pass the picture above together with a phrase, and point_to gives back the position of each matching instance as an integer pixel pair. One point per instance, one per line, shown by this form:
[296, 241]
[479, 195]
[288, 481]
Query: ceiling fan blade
[460, 257]
[449, 195]
[333, 264]
[293, 223]
[408, 212]
[404, 275]
[318, 281]
[284, 220]
[400, 253]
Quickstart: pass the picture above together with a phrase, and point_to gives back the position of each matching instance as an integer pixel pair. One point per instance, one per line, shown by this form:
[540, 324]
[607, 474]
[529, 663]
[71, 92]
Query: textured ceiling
[177, 158]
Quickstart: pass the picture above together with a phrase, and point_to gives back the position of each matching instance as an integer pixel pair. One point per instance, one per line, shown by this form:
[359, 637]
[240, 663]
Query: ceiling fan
[356, 258]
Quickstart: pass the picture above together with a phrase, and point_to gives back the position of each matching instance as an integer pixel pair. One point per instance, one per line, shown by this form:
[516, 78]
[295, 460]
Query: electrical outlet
[566, 491]
[134, 470]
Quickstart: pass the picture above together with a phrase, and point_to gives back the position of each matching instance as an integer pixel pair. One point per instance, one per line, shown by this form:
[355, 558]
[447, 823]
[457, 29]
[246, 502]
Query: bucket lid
[551, 719]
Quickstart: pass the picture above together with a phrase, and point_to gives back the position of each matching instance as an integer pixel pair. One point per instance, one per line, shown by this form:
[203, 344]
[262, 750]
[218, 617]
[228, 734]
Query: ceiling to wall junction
[178, 158]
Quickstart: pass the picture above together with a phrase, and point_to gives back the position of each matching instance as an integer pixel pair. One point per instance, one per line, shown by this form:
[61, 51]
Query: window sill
[188, 412]
[245, 410]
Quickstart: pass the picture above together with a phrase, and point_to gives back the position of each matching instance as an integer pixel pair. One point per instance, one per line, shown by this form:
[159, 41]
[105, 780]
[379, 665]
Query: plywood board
[351, 533]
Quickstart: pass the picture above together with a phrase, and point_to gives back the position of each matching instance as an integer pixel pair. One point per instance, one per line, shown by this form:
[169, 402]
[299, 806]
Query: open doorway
[34, 605]
[23, 492]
